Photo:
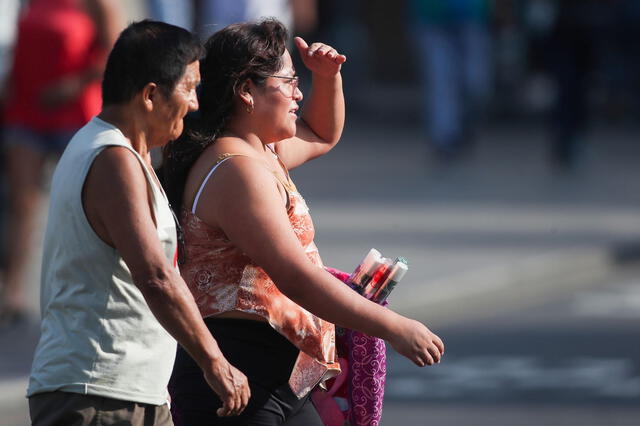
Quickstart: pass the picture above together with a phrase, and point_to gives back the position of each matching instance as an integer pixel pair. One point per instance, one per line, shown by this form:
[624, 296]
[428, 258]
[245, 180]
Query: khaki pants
[73, 409]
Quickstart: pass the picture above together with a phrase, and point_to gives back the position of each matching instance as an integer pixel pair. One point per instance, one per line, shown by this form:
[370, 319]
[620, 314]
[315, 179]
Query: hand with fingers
[231, 386]
[418, 343]
[320, 58]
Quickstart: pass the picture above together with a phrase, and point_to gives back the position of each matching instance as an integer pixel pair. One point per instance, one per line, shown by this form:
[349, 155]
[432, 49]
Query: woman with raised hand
[249, 256]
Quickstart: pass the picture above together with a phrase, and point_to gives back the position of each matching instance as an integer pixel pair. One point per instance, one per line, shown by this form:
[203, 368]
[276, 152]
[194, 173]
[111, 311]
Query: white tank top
[98, 335]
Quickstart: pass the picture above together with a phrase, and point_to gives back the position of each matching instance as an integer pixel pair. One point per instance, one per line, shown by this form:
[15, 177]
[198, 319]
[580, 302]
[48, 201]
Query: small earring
[250, 107]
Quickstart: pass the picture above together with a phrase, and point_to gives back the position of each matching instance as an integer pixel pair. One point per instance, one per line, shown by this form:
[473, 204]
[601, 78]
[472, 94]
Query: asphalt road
[570, 359]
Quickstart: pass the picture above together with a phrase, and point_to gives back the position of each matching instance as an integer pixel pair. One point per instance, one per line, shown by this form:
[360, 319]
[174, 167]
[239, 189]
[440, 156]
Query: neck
[245, 132]
[131, 125]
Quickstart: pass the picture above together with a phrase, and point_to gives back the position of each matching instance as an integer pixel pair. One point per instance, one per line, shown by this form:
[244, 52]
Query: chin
[176, 134]
[280, 133]
[292, 132]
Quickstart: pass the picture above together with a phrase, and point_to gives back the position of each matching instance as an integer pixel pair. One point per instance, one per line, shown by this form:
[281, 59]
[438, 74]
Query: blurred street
[522, 235]
[565, 360]
[528, 275]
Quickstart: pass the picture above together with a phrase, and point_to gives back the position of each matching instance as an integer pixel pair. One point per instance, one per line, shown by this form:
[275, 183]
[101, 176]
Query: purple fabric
[367, 376]
[367, 369]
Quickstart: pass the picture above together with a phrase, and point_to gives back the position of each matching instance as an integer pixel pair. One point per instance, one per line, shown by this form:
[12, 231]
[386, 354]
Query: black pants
[265, 357]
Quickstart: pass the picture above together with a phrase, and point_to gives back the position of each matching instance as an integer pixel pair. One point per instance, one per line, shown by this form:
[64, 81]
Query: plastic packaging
[376, 276]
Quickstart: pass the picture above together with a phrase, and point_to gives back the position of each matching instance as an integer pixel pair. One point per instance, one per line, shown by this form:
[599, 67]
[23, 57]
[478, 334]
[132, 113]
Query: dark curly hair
[248, 50]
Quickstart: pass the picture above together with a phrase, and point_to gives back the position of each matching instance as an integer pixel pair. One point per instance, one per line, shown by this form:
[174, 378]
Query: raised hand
[320, 58]
[418, 343]
[231, 386]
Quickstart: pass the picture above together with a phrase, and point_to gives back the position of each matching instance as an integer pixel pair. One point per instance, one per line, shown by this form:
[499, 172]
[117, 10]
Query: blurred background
[493, 143]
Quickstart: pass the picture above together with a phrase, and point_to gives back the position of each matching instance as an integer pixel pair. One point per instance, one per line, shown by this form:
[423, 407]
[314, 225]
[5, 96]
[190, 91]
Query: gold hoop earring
[250, 107]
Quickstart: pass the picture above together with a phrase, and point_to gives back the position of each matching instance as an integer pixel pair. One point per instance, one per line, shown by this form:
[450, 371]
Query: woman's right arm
[254, 218]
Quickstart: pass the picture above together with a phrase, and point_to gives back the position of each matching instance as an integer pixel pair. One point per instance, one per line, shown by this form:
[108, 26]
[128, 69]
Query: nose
[297, 94]
[193, 103]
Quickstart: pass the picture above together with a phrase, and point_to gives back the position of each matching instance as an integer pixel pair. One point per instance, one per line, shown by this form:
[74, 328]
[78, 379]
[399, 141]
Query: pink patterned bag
[355, 397]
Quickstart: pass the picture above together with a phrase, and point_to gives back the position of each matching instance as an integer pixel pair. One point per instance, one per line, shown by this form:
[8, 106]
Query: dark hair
[147, 51]
[248, 50]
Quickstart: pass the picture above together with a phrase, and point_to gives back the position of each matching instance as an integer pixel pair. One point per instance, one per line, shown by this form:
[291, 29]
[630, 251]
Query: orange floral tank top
[222, 279]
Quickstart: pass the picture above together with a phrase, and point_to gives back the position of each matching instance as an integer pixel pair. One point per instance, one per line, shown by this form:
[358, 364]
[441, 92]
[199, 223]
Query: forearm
[324, 110]
[331, 300]
[174, 307]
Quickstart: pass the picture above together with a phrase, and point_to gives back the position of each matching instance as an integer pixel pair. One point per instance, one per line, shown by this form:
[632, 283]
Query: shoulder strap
[288, 185]
[221, 159]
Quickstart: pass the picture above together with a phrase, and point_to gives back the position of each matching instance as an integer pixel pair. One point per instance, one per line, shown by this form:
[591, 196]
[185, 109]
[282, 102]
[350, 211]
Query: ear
[245, 93]
[149, 94]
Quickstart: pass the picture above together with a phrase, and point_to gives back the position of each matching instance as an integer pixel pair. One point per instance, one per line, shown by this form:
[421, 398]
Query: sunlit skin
[117, 184]
[276, 113]
[171, 110]
[152, 118]
[244, 201]
[275, 117]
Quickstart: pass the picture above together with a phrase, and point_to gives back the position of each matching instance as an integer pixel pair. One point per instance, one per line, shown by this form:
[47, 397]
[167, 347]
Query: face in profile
[181, 101]
[277, 102]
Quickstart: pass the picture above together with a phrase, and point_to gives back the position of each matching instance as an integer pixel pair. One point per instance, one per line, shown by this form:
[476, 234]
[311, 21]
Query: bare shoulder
[115, 183]
[116, 179]
[244, 174]
[240, 184]
[209, 158]
[117, 164]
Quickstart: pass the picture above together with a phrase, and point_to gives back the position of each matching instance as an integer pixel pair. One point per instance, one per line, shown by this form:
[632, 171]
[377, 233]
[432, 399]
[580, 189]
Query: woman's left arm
[320, 126]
